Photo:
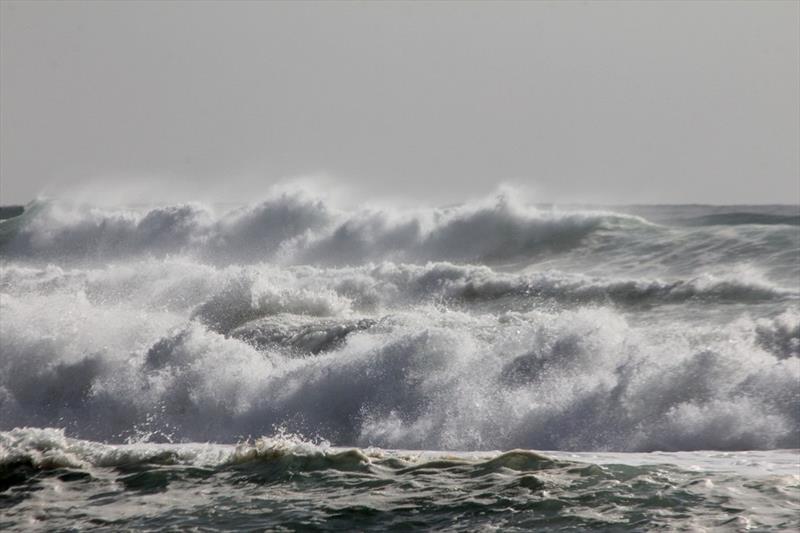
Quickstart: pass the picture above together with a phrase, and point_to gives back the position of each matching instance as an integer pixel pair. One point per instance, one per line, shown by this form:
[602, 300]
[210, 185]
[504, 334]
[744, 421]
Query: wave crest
[424, 377]
[295, 228]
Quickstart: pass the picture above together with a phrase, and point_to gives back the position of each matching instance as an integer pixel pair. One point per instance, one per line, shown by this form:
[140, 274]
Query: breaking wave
[416, 376]
[490, 325]
[226, 297]
[295, 228]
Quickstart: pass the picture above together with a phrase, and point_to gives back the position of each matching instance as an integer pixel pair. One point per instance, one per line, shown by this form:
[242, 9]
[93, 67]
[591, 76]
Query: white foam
[294, 227]
[424, 376]
[122, 324]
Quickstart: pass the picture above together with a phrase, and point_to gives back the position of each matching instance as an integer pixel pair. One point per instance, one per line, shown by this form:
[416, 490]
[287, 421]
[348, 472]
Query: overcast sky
[654, 102]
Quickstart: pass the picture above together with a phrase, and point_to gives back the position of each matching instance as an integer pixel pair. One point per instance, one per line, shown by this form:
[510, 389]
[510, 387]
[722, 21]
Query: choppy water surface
[607, 335]
[285, 483]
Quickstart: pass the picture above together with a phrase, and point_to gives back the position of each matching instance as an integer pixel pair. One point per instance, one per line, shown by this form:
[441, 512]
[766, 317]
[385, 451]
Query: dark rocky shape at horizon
[11, 211]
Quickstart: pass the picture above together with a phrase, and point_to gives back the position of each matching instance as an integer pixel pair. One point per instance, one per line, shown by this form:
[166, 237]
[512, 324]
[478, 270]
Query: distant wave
[737, 219]
[640, 261]
[294, 228]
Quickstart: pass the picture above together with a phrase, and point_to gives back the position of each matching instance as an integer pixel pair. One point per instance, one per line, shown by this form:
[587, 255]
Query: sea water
[294, 365]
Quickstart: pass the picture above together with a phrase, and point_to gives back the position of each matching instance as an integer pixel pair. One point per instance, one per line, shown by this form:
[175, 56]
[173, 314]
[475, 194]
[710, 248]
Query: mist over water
[490, 325]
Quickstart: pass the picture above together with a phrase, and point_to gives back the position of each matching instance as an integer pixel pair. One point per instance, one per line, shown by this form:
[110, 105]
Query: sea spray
[490, 325]
[588, 368]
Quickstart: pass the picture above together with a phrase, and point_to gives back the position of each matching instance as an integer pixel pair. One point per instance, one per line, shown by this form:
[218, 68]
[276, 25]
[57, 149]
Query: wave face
[295, 229]
[284, 482]
[491, 325]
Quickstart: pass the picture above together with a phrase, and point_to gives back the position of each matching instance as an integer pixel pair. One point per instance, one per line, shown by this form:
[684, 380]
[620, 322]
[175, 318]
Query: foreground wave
[49, 480]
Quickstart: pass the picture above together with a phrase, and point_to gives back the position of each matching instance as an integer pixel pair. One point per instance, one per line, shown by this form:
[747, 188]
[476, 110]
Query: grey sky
[613, 102]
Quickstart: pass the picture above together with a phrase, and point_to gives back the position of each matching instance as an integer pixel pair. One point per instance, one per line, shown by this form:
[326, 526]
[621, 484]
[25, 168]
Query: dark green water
[51, 482]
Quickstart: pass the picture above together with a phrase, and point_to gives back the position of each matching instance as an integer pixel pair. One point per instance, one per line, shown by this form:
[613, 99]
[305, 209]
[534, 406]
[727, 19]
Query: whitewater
[291, 364]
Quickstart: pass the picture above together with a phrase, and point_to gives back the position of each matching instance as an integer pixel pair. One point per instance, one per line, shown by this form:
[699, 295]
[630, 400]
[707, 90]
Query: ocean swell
[490, 325]
[294, 228]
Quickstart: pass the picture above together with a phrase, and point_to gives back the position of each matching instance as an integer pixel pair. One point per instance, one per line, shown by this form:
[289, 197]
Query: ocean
[293, 365]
